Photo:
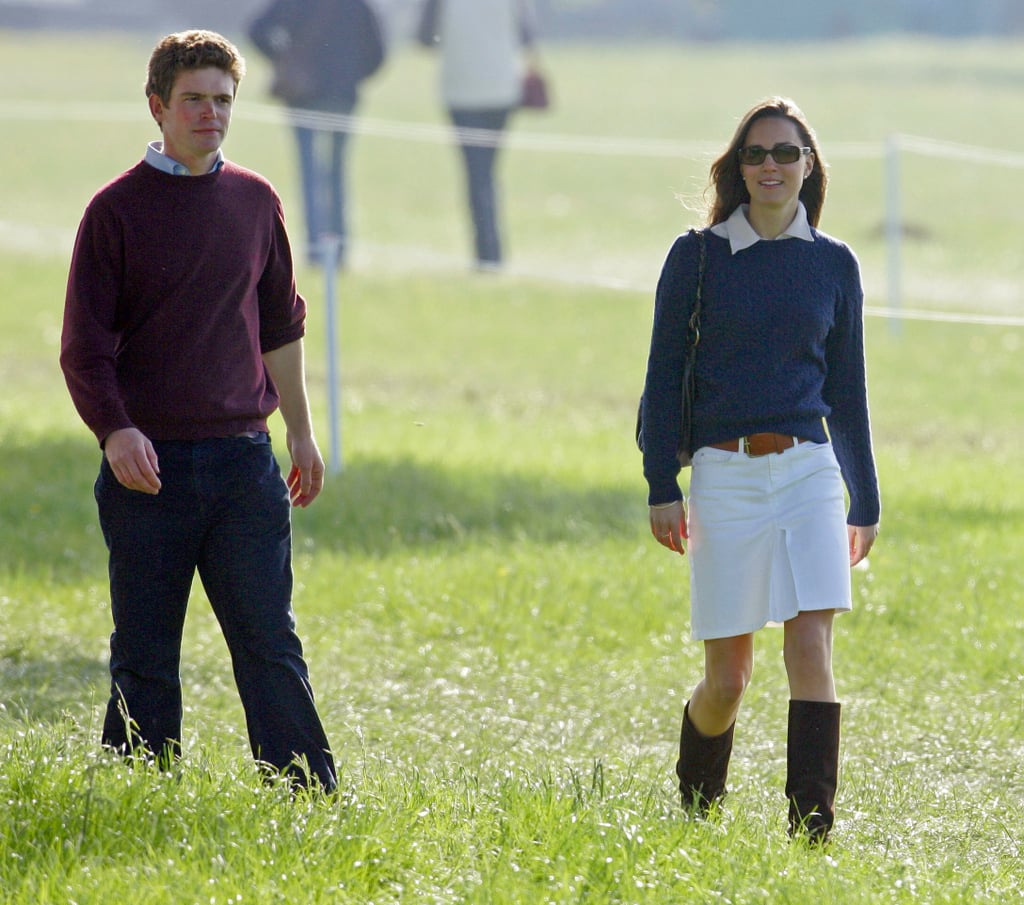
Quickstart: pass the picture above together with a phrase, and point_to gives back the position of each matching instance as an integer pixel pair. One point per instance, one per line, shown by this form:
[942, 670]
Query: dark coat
[321, 49]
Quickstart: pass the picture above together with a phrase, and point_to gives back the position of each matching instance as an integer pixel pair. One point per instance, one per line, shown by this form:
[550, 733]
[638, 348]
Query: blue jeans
[322, 168]
[223, 510]
[479, 159]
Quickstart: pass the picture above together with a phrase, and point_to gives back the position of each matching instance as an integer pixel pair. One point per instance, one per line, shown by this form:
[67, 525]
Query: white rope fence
[443, 133]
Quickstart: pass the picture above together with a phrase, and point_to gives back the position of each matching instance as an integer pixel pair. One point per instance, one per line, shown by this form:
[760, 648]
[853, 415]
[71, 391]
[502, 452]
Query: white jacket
[481, 53]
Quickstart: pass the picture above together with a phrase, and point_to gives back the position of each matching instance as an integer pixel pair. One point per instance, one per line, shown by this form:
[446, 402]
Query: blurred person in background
[487, 46]
[780, 429]
[183, 332]
[322, 51]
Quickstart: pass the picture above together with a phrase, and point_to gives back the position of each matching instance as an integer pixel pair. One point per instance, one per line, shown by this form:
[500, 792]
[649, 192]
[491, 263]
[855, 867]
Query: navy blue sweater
[782, 348]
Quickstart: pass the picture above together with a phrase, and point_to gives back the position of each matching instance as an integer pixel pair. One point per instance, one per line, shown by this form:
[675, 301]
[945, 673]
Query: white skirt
[768, 538]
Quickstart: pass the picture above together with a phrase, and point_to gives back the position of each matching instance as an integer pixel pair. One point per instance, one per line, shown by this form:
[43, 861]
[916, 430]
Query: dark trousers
[479, 154]
[223, 510]
[324, 185]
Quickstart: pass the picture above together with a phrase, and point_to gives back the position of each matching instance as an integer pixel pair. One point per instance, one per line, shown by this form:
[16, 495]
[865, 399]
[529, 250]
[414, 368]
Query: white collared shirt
[741, 234]
[156, 157]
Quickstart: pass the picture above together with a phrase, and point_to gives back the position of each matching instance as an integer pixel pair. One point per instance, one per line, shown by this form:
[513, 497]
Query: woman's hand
[668, 525]
[861, 541]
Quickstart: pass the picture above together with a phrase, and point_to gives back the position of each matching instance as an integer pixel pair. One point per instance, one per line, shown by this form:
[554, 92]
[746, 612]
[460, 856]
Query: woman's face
[773, 185]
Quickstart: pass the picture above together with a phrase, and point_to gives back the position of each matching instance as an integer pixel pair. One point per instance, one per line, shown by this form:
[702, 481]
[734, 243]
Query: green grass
[499, 650]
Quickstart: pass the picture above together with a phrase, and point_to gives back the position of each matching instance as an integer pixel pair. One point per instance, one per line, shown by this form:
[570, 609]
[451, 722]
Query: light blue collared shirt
[741, 234]
[156, 157]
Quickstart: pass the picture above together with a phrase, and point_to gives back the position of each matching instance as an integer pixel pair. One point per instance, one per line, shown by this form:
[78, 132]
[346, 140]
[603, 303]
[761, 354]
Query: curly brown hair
[185, 50]
[726, 181]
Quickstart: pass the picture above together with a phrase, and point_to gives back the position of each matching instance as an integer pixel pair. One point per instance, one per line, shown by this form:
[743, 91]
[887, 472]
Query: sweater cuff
[662, 492]
[863, 514]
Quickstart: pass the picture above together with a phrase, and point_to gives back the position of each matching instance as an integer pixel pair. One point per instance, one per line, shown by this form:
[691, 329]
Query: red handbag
[535, 91]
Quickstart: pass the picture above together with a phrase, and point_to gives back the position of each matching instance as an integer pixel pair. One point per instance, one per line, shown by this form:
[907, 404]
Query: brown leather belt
[759, 444]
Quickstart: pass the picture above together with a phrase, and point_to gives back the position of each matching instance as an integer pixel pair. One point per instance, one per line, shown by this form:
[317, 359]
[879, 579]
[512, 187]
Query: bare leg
[808, 654]
[728, 664]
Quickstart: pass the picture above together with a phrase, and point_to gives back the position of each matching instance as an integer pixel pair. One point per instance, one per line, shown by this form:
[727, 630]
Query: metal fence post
[330, 249]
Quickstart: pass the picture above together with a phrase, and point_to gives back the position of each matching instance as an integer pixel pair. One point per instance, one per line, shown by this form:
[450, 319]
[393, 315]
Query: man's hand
[133, 460]
[306, 478]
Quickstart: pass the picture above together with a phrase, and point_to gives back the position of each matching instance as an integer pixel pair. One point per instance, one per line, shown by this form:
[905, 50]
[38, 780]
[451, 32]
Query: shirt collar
[156, 157]
[741, 234]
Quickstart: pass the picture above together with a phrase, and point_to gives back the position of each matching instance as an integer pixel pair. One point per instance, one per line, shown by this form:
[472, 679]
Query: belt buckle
[746, 447]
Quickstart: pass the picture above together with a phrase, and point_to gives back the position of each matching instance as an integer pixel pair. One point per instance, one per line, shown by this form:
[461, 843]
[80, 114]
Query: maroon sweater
[178, 284]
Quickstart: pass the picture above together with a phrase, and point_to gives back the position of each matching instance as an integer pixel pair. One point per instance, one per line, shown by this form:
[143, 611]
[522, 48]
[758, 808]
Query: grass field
[500, 651]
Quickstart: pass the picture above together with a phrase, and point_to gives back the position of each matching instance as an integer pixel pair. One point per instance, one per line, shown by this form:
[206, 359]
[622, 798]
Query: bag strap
[699, 296]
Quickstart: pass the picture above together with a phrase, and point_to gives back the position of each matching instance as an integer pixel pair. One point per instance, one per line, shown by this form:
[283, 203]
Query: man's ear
[156, 109]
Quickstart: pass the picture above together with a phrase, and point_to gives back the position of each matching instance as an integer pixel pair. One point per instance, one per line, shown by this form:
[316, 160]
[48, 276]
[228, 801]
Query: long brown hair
[726, 181]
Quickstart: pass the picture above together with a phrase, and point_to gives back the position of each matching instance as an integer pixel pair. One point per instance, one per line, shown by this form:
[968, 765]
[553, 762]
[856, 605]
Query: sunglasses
[781, 153]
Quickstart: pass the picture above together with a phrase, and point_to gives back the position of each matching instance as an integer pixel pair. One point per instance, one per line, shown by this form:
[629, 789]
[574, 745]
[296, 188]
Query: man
[182, 334]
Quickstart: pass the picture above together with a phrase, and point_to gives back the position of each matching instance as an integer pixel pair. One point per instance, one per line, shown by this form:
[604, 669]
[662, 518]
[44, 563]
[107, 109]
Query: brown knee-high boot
[812, 767]
[703, 765]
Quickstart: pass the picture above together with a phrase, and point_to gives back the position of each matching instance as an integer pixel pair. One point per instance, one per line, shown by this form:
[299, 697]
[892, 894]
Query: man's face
[195, 119]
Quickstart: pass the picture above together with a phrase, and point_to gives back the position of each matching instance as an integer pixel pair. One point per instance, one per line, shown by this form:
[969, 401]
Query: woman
[780, 425]
[486, 47]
